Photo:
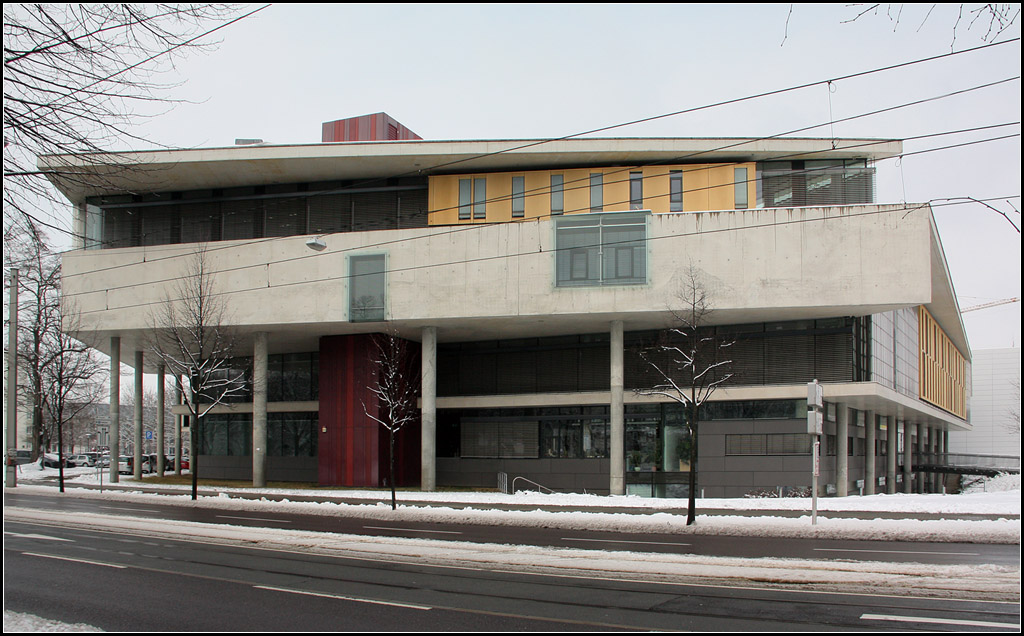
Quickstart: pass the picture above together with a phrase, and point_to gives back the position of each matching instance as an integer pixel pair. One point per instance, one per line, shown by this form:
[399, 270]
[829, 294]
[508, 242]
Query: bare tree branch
[688, 363]
[396, 390]
[191, 339]
[79, 77]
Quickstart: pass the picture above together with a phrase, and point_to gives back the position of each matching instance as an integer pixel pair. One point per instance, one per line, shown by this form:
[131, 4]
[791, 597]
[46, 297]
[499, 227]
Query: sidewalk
[828, 508]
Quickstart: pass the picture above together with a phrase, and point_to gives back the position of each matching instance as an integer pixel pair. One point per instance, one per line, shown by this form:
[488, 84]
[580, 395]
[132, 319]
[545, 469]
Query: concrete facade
[842, 282]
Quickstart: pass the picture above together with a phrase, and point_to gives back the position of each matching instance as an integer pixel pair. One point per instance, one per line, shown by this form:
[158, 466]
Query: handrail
[532, 482]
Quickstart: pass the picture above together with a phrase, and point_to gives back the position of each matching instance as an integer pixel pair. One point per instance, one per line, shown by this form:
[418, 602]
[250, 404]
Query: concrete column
[137, 433]
[933, 458]
[870, 435]
[617, 424]
[161, 443]
[177, 426]
[891, 448]
[115, 407]
[428, 411]
[923, 484]
[842, 450]
[259, 410]
[908, 457]
[944, 436]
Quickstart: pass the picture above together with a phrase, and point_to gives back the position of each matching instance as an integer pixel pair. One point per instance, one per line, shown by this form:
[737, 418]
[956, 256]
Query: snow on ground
[574, 511]
[17, 622]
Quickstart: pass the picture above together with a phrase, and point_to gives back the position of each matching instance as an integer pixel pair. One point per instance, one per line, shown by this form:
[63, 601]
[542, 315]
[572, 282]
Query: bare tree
[396, 389]
[991, 19]
[38, 318]
[688, 363]
[77, 77]
[195, 345]
[72, 377]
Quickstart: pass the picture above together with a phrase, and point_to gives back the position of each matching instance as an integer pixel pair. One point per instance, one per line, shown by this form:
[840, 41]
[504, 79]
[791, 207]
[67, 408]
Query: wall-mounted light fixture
[316, 243]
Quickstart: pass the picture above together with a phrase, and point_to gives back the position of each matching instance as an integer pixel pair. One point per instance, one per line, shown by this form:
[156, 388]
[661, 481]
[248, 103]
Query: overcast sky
[537, 71]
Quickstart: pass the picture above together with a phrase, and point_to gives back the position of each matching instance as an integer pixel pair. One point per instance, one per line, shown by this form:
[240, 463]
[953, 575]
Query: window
[465, 198]
[596, 192]
[675, 196]
[607, 249]
[473, 198]
[636, 191]
[518, 197]
[366, 288]
[740, 184]
[557, 200]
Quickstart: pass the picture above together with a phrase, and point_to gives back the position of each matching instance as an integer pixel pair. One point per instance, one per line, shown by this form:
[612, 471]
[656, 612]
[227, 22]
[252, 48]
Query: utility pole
[12, 385]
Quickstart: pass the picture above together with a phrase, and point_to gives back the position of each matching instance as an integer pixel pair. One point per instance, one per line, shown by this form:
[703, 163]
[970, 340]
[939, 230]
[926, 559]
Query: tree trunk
[394, 504]
[691, 512]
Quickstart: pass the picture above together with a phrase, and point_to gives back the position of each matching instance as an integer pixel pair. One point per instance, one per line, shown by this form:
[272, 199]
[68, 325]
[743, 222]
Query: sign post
[815, 421]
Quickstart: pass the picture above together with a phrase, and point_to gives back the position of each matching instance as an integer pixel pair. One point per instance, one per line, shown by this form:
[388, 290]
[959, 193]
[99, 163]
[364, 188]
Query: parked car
[80, 461]
[22, 456]
[51, 461]
[124, 465]
[103, 461]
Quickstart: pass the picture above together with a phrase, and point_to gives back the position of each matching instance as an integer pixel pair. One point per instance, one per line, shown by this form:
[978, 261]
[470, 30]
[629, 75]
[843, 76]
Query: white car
[80, 461]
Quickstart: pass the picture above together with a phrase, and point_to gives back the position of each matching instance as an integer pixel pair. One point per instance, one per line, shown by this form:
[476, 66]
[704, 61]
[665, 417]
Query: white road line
[410, 530]
[37, 536]
[620, 541]
[128, 509]
[898, 552]
[343, 598]
[253, 519]
[941, 621]
[60, 558]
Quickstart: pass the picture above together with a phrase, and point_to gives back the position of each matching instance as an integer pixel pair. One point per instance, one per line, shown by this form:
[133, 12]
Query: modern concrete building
[526, 273]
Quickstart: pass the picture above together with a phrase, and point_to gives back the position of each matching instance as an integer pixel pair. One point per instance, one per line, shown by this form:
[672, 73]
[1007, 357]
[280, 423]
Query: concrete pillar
[922, 457]
[428, 411]
[161, 443]
[891, 448]
[945, 455]
[259, 410]
[870, 435]
[137, 432]
[115, 407]
[617, 424]
[908, 457]
[842, 450]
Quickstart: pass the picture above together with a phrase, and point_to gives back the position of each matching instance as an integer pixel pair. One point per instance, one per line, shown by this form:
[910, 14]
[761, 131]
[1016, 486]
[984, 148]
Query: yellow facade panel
[705, 187]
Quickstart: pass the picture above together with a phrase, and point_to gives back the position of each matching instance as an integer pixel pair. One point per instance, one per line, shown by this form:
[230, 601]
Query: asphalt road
[119, 581]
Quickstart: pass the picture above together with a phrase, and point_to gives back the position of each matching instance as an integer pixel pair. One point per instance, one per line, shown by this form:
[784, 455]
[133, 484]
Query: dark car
[51, 461]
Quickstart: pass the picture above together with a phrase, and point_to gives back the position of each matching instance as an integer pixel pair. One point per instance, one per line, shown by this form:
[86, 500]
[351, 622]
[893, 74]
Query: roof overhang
[85, 175]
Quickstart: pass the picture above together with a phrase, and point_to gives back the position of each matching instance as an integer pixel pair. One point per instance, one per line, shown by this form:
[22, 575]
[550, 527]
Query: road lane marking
[37, 536]
[410, 530]
[899, 552]
[253, 519]
[343, 598]
[128, 509]
[941, 621]
[60, 558]
[620, 541]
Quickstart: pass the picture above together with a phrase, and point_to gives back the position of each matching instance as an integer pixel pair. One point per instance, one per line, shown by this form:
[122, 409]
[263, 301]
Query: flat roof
[84, 175]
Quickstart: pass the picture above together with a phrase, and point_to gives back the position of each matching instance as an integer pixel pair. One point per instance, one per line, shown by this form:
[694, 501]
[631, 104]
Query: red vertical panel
[353, 448]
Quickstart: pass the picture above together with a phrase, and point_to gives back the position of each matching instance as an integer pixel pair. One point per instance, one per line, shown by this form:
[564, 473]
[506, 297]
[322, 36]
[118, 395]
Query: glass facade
[288, 434]
[253, 212]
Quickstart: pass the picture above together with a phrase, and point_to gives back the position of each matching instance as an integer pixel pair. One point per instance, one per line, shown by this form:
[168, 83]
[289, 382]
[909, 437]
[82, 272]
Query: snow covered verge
[580, 512]
[21, 623]
[954, 582]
